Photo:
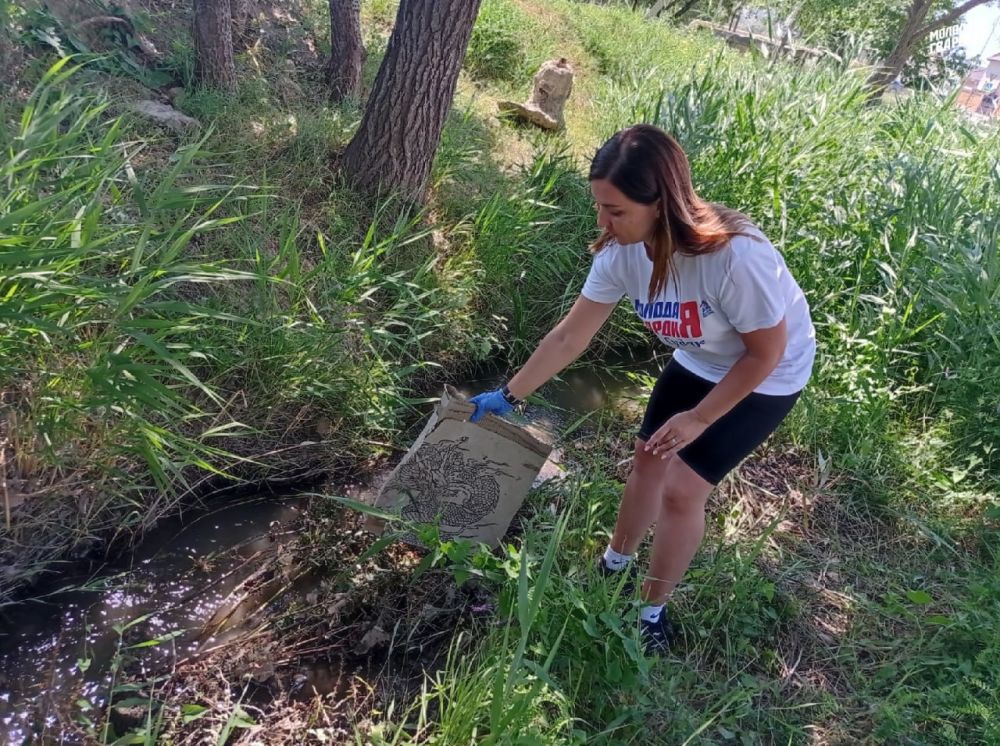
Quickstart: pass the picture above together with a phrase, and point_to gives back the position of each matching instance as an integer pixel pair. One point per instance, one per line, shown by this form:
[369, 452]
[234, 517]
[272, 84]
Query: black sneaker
[631, 573]
[657, 636]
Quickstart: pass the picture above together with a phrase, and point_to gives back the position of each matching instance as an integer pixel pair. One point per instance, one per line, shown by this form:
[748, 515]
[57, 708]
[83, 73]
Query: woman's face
[626, 220]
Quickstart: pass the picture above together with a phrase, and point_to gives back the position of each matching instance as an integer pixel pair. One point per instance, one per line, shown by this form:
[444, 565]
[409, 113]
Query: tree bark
[213, 44]
[241, 16]
[914, 30]
[394, 147]
[347, 53]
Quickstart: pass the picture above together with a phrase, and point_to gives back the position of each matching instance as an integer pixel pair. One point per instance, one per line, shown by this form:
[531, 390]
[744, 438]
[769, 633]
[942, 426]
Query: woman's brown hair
[648, 166]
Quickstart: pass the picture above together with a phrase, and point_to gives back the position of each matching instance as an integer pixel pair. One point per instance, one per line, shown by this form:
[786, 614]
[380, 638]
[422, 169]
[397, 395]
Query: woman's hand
[489, 401]
[680, 430]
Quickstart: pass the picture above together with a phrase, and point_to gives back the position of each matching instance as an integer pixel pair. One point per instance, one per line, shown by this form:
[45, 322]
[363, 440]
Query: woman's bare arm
[561, 346]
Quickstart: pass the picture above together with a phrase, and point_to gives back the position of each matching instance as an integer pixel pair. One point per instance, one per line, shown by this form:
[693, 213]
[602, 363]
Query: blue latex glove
[489, 401]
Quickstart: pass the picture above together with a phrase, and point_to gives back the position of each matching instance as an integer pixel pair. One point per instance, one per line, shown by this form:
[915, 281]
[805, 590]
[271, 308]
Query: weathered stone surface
[166, 115]
[552, 85]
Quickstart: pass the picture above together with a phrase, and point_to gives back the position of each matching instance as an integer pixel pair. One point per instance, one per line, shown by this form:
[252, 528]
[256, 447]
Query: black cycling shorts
[728, 440]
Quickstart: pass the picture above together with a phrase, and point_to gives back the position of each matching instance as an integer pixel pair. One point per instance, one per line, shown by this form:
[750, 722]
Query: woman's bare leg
[680, 527]
[642, 501]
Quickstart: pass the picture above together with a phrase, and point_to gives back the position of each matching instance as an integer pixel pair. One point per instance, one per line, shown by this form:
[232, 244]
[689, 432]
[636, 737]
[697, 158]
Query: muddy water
[60, 652]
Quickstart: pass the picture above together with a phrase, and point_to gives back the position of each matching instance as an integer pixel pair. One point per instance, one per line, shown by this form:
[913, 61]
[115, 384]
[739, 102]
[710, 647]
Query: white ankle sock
[652, 613]
[615, 561]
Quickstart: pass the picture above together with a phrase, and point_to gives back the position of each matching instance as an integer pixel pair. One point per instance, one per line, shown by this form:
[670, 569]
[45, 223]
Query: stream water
[60, 650]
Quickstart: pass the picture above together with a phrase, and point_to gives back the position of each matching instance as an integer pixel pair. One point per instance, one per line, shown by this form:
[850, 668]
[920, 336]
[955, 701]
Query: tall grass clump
[563, 660]
[101, 325]
[623, 42]
[503, 46]
[495, 687]
[560, 659]
[531, 240]
[163, 326]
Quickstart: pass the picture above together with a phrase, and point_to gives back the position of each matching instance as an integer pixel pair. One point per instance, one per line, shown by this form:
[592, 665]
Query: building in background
[981, 89]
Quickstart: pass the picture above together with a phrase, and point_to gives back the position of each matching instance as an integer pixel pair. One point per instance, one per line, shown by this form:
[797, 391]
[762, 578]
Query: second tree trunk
[347, 53]
[394, 146]
[213, 44]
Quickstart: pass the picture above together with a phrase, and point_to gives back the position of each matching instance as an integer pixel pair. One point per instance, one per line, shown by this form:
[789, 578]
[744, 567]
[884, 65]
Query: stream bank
[226, 583]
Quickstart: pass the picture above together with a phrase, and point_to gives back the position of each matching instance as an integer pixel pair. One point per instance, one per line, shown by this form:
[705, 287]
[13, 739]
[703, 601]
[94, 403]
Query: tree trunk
[347, 53]
[242, 18]
[914, 30]
[394, 146]
[213, 44]
[887, 70]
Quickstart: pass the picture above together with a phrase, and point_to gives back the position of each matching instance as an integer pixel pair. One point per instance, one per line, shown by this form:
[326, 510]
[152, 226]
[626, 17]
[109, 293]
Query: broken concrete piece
[166, 115]
[552, 85]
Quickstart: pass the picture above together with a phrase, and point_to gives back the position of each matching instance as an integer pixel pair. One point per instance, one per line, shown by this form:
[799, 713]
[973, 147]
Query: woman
[707, 283]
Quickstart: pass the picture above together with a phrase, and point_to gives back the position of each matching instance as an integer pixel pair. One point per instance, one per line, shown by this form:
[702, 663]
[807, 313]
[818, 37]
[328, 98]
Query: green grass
[99, 334]
[799, 621]
[504, 43]
[624, 44]
[168, 322]
[191, 307]
[887, 219]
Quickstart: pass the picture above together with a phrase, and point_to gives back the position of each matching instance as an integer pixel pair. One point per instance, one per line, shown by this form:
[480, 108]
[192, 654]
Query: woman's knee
[676, 502]
[645, 462]
[684, 491]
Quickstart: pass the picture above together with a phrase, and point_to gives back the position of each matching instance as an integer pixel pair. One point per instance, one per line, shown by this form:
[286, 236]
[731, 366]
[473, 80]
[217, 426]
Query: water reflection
[57, 651]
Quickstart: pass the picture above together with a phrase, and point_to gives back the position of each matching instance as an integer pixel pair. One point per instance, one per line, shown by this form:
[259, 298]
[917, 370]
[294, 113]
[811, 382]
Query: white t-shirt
[743, 287]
